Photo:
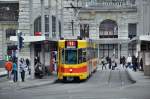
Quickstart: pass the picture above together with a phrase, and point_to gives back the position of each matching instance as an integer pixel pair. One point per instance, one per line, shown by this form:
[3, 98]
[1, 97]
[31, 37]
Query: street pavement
[29, 83]
[104, 84]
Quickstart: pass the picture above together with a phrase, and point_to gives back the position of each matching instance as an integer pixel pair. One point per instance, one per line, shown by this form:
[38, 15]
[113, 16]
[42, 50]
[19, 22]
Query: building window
[37, 24]
[132, 30]
[46, 23]
[108, 29]
[108, 50]
[84, 30]
[10, 32]
[9, 11]
[60, 29]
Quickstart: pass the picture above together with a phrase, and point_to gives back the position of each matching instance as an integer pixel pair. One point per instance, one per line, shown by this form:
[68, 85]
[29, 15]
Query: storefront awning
[29, 38]
[141, 38]
[111, 41]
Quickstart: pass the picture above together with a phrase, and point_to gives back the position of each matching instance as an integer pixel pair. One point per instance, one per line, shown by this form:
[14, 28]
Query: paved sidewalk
[29, 83]
[138, 76]
[135, 77]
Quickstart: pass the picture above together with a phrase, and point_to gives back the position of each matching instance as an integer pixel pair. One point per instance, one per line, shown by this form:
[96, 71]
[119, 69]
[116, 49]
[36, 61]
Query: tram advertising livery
[77, 59]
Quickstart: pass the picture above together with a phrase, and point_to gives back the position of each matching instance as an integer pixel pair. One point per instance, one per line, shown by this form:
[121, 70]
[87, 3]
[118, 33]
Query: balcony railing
[108, 5]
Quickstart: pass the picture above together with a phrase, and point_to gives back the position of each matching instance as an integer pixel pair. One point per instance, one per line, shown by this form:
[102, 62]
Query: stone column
[1, 43]
[57, 21]
[24, 24]
[31, 11]
[50, 19]
[62, 17]
[32, 61]
[138, 48]
[119, 52]
[98, 51]
[42, 18]
[42, 54]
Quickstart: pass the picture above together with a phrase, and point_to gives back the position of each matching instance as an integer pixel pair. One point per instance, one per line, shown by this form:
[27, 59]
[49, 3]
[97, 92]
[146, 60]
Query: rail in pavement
[137, 76]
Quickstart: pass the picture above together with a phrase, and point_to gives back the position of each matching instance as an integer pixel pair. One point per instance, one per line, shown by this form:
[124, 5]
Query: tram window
[84, 55]
[71, 56]
[79, 55]
[62, 56]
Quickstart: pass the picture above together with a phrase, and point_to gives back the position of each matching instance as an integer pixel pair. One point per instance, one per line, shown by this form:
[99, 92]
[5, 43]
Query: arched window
[108, 29]
[37, 24]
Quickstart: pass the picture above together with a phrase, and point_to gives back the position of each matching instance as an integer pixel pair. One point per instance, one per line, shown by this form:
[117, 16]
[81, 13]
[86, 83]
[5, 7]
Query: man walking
[22, 69]
[103, 61]
[28, 66]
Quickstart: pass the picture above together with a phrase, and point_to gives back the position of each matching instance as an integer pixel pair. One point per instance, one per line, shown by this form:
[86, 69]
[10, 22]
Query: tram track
[118, 78]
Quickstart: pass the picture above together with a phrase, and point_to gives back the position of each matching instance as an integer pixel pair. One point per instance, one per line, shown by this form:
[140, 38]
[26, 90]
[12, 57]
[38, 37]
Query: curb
[130, 76]
[37, 85]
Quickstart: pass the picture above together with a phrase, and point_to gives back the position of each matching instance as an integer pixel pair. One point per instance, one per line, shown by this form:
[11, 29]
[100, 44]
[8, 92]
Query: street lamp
[72, 24]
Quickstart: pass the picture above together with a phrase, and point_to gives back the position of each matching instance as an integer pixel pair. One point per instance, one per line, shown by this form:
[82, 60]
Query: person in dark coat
[123, 61]
[141, 64]
[28, 66]
[109, 61]
[134, 62]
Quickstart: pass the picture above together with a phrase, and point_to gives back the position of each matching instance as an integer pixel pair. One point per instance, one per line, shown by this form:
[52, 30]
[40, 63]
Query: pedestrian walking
[28, 66]
[15, 71]
[123, 61]
[22, 69]
[129, 61]
[103, 61]
[8, 67]
[134, 63]
[108, 59]
[113, 62]
[141, 64]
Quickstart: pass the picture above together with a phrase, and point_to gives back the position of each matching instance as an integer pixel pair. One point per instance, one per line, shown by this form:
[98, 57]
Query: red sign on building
[38, 33]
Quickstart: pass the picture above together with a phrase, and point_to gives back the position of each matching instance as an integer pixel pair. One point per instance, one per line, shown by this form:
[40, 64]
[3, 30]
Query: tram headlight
[70, 70]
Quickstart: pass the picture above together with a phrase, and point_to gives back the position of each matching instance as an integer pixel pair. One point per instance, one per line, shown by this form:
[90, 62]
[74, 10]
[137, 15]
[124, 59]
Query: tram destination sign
[71, 44]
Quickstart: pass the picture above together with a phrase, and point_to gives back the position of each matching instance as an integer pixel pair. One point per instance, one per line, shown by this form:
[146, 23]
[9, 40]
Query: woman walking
[15, 71]
[22, 69]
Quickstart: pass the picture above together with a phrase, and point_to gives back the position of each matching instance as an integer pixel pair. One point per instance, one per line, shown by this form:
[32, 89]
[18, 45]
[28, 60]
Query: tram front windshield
[71, 56]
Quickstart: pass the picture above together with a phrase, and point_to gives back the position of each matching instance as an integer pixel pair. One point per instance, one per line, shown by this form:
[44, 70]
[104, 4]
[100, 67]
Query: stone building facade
[111, 23]
[8, 26]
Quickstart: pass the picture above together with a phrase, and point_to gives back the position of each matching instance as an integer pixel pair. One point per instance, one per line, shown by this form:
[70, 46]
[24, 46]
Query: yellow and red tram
[76, 59]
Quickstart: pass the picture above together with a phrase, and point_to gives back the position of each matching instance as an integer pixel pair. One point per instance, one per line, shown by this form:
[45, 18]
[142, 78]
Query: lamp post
[72, 24]
[50, 20]
[42, 18]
